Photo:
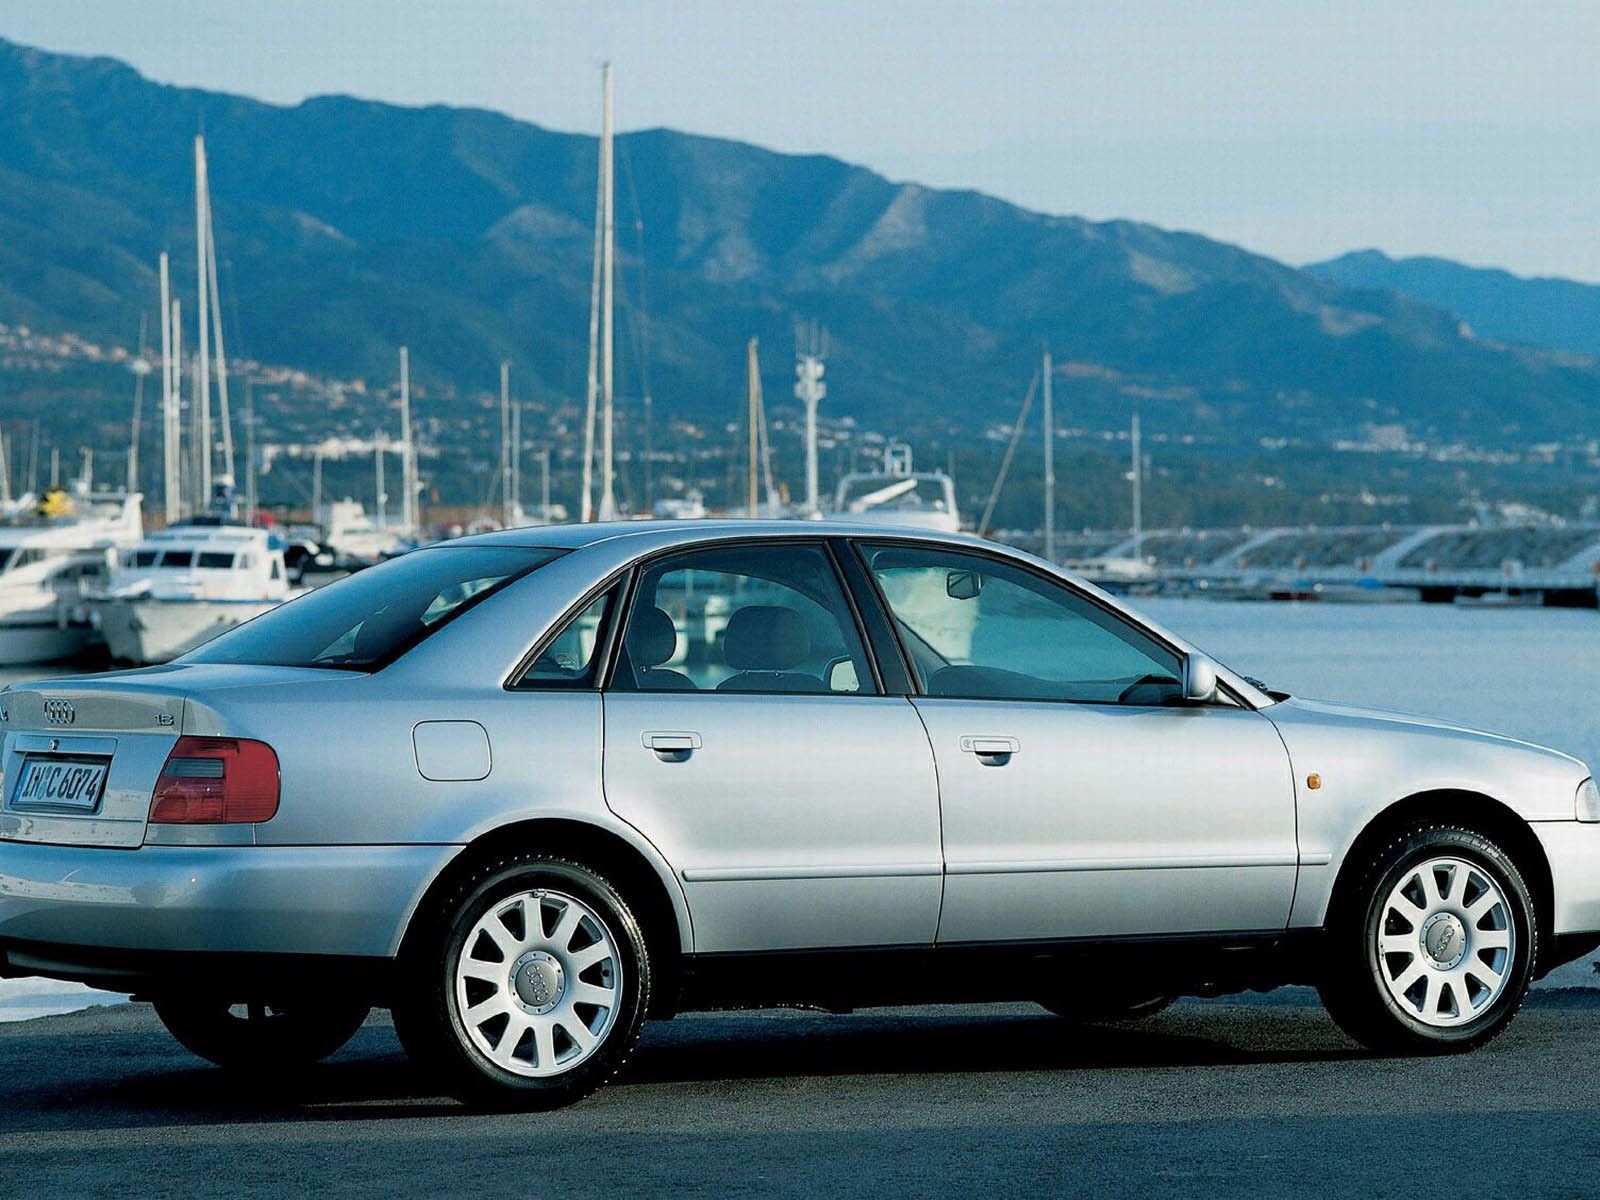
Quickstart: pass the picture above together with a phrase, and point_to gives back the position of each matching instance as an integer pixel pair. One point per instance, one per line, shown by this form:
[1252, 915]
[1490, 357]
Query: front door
[1082, 797]
[746, 738]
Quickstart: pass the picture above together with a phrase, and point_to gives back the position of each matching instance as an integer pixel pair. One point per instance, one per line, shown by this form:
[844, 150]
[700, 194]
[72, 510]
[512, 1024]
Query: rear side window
[368, 620]
[178, 558]
[570, 658]
[752, 618]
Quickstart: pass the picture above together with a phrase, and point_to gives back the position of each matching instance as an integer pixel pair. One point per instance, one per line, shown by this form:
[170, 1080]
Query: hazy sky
[1302, 130]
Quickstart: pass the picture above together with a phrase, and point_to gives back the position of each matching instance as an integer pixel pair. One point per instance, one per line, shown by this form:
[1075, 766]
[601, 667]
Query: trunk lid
[79, 757]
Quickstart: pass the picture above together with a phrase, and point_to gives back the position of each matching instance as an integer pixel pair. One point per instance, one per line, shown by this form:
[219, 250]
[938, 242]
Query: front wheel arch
[1484, 814]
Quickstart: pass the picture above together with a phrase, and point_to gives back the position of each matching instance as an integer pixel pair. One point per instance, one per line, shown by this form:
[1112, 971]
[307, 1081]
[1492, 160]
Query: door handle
[992, 751]
[671, 745]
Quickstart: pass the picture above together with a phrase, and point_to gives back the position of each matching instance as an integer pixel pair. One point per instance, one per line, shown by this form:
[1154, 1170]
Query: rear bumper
[65, 910]
[1573, 850]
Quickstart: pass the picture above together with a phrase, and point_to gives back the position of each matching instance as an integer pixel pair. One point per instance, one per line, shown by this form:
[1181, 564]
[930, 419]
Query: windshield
[370, 619]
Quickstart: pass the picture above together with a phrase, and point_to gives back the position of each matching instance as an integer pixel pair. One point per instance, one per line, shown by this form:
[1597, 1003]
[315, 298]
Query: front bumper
[1573, 850]
[65, 909]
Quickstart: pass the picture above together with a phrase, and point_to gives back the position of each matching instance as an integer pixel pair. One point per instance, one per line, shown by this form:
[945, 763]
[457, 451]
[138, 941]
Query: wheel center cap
[1444, 940]
[539, 981]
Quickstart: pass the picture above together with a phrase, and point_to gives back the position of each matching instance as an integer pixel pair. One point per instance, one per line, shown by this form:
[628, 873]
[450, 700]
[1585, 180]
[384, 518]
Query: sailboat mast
[379, 444]
[1049, 462]
[197, 439]
[249, 451]
[1138, 496]
[174, 447]
[169, 487]
[408, 462]
[202, 202]
[592, 391]
[516, 462]
[141, 368]
[505, 445]
[223, 414]
[608, 481]
[753, 397]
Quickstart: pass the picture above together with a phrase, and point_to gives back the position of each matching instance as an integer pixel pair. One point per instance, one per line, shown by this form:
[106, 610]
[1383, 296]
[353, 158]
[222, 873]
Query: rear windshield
[370, 619]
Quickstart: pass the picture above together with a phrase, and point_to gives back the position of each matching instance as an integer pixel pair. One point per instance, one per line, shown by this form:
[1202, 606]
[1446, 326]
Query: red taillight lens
[216, 781]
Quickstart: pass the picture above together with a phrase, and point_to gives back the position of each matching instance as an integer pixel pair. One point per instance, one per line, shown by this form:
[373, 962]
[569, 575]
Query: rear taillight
[216, 781]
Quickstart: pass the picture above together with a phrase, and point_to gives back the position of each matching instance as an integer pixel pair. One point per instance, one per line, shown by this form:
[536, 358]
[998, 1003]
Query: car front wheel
[528, 988]
[1433, 947]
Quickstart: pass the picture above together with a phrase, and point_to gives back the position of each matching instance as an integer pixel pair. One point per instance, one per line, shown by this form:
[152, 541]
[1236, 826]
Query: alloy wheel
[1446, 942]
[538, 983]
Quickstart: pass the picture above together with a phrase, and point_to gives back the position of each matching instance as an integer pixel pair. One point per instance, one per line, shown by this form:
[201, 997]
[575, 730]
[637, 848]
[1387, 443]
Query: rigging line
[1011, 450]
[639, 318]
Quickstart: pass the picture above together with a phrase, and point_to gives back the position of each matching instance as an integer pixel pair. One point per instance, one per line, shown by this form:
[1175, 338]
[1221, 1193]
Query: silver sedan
[530, 789]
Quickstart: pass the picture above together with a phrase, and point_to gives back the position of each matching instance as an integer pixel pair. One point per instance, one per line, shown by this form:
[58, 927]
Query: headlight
[1588, 801]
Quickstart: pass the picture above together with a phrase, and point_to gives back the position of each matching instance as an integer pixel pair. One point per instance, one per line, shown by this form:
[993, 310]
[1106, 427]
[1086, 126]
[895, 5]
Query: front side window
[369, 619]
[770, 618]
[978, 628]
[215, 560]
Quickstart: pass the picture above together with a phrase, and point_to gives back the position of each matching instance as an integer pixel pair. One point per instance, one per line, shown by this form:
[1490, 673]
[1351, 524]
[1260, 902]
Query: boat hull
[42, 641]
[145, 631]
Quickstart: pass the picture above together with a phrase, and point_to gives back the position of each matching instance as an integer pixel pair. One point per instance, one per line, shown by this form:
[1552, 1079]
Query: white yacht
[184, 585]
[898, 495]
[52, 549]
[352, 533]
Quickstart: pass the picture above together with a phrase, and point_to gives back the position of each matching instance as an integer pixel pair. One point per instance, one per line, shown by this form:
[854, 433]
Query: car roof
[668, 533]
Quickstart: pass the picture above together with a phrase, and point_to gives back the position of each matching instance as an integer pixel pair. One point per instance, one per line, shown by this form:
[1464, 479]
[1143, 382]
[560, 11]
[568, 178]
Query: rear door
[1082, 798]
[747, 736]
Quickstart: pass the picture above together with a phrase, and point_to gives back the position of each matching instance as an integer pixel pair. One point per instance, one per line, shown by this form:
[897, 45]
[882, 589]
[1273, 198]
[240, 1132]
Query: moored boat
[51, 550]
[183, 586]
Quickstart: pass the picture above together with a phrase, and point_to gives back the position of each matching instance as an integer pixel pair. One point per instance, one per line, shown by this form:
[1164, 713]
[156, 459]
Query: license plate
[68, 783]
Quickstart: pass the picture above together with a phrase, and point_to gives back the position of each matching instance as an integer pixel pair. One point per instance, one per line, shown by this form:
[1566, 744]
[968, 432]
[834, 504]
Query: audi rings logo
[59, 712]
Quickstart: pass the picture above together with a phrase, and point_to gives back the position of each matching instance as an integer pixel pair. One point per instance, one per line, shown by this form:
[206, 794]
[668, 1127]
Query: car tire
[1432, 947]
[526, 986]
[260, 1037]
[1107, 1009]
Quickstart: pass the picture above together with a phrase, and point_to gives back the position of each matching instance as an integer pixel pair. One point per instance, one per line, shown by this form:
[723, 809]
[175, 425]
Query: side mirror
[963, 585]
[841, 676]
[1199, 679]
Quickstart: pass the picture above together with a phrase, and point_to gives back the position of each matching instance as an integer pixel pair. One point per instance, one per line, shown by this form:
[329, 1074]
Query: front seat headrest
[766, 637]
[652, 638]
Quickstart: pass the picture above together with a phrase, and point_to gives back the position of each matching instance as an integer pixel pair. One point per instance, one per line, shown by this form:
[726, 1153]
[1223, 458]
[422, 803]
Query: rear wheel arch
[1473, 810]
[622, 864]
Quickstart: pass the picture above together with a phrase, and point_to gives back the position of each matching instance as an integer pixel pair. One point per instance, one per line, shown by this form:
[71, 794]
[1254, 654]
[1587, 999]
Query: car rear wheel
[1434, 947]
[528, 986]
[258, 1036]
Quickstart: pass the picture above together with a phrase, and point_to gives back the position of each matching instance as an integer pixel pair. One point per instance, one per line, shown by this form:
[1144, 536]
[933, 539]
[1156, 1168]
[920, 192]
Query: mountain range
[1559, 314]
[348, 227]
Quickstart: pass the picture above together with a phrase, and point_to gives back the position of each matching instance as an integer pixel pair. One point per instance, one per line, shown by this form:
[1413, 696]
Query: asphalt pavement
[1260, 1097]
